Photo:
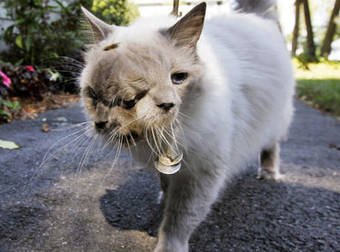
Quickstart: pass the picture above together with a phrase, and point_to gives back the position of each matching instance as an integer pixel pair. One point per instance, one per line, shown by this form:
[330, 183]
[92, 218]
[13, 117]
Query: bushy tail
[264, 8]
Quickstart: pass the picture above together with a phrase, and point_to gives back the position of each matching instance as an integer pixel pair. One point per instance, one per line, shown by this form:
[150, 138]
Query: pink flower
[6, 81]
[30, 68]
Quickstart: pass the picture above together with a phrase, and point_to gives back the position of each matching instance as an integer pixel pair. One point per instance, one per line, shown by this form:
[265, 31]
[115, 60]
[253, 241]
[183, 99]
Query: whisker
[155, 141]
[84, 130]
[133, 140]
[49, 155]
[179, 127]
[184, 115]
[149, 144]
[72, 126]
[85, 154]
[172, 137]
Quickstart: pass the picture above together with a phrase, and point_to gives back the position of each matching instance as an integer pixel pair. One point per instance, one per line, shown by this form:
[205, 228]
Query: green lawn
[320, 85]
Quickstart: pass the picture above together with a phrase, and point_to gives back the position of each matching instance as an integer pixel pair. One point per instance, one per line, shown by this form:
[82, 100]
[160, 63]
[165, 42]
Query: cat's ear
[187, 30]
[99, 28]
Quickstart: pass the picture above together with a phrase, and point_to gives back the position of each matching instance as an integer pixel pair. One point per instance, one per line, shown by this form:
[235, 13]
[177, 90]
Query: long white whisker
[49, 155]
[156, 142]
[85, 154]
[45, 158]
[72, 126]
[148, 141]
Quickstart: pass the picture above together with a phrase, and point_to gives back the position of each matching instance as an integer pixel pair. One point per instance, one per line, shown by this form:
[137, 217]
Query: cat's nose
[100, 125]
[166, 106]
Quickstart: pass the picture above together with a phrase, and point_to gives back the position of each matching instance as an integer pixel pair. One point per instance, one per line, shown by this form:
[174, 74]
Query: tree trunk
[175, 8]
[296, 27]
[326, 46]
[310, 36]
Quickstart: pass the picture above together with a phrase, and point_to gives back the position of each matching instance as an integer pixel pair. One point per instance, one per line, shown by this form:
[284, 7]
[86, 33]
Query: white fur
[241, 104]
[245, 104]
[251, 87]
[247, 88]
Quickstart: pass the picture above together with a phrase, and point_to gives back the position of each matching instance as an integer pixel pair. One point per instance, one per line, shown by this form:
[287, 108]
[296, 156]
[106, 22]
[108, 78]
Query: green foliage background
[35, 39]
[319, 84]
[118, 12]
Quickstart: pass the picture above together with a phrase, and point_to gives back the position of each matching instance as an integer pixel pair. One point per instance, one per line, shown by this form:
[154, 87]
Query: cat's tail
[264, 8]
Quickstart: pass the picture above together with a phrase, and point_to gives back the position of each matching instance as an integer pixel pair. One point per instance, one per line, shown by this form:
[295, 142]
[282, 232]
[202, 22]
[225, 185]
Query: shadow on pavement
[252, 215]
[133, 205]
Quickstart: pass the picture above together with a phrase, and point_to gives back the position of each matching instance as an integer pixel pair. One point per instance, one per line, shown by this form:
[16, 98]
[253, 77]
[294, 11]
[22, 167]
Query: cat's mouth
[127, 140]
[130, 139]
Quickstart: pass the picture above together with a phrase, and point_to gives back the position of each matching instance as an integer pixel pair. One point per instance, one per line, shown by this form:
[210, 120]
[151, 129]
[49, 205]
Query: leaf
[20, 20]
[45, 127]
[18, 41]
[8, 34]
[54, 76]
[15, 105]
[65, 9]
[19, 62]
[5, 113]
[8, 145]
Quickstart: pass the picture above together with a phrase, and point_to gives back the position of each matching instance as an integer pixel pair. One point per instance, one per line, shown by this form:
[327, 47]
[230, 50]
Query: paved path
[55, 207]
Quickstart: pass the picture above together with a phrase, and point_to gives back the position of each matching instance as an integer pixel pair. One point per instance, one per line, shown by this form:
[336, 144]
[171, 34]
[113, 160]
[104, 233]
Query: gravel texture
[78, 201]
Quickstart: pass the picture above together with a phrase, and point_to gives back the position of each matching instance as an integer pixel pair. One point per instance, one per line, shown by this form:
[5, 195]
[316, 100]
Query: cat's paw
[171, 245]
[272, 176]
[161, 248]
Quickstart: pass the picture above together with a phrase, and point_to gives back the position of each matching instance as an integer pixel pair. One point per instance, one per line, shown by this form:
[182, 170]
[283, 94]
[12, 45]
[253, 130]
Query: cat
[196, 101]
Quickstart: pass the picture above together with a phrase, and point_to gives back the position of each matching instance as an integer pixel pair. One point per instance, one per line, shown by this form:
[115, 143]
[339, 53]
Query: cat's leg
[270, 163]
[163, 180]
[188, 200]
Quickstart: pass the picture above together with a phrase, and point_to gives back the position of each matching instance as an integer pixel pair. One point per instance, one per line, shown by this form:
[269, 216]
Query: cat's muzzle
[130, 138]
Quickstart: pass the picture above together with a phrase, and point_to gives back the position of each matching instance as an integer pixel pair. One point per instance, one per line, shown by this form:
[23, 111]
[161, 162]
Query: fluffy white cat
[202, 99]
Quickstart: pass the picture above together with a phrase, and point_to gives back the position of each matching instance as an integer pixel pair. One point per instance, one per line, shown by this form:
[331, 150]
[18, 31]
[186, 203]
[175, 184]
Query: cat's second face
[132, 87]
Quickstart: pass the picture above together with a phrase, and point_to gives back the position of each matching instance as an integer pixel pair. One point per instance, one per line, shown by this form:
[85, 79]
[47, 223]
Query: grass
[319, 85]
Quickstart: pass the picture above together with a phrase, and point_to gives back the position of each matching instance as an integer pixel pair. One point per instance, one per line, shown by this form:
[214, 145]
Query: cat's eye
[125, 104]
[128, 104]
[91, 93]
[106, 103]
[178, 78]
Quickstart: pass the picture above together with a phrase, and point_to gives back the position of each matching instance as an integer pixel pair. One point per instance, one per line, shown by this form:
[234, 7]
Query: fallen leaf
[334, 146]
[30, 109]
[45, 127]
[8, 145]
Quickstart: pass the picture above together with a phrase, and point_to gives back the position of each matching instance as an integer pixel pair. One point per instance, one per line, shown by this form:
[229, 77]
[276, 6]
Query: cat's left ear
[100, 29]
[187, 31]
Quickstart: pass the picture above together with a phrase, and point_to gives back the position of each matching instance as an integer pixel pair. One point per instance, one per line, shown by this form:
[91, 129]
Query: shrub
[26, 82]
[34, 37]
[7, 109]
[118, 12]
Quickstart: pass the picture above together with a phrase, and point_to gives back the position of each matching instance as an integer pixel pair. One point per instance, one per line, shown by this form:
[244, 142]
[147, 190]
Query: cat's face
[130, 87]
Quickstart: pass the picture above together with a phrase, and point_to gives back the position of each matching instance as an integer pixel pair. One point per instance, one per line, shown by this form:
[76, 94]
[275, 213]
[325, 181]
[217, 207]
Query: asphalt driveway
[78, 201]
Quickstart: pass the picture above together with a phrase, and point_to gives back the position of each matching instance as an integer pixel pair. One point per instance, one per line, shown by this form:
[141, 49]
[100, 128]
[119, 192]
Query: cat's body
[237, 104]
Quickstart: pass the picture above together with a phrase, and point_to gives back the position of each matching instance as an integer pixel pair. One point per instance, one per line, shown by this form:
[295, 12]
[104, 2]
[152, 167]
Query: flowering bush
[5, 80]
[25, 81]
[28, 84]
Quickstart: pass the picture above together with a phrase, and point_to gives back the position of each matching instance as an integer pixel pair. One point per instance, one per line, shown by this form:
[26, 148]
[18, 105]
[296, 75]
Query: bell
[167, 165]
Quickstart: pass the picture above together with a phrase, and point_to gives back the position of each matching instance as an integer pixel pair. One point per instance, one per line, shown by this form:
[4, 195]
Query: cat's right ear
[187, 31]
[99, 28]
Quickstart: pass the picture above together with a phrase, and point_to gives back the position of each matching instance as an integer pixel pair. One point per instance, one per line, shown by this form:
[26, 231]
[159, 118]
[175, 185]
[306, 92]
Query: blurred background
[41, 45]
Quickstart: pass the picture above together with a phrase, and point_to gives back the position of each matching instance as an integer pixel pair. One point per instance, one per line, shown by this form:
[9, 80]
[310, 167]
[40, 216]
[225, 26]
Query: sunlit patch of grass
[319, 85]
